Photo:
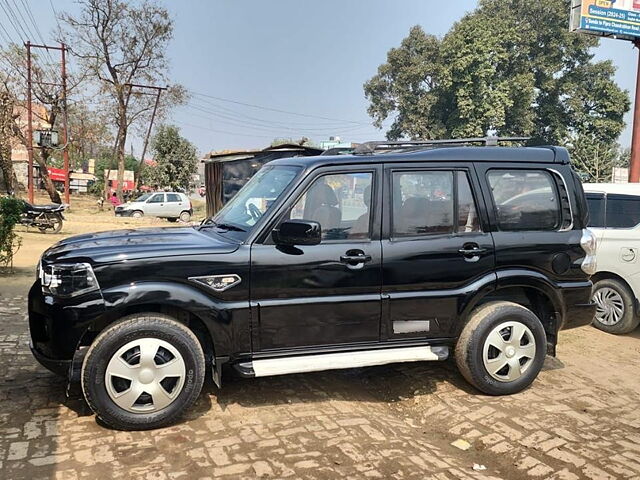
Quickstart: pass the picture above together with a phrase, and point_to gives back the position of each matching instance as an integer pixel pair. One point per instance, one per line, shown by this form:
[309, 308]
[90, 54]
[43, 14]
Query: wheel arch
[534, 297]
[212, 322]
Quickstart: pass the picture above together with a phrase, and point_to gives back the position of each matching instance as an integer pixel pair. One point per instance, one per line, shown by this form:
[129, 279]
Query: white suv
[169, 205]
[614, 211]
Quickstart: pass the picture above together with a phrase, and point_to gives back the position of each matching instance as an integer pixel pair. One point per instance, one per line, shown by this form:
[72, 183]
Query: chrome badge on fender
[218, 283]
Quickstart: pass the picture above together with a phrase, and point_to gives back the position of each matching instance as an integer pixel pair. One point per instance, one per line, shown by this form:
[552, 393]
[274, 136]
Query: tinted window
[595, 202]
[623, 211]
[467, 213]
[422, 203]
[157, 198]
[340, 204]
[525, 199]
[173, 197]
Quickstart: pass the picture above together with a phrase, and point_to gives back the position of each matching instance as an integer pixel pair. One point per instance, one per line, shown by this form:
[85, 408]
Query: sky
[247, 62]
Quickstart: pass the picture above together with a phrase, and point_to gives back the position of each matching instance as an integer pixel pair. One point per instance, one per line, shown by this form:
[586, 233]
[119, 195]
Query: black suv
[322, 263]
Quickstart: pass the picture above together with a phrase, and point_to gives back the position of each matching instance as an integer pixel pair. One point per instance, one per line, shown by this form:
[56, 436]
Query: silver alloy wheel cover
[609, 306]
[511, 351]
[145, 377]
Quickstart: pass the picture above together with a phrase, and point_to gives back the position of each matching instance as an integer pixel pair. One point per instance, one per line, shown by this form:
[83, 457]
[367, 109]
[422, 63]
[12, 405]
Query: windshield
[253, 200]
[142, 198]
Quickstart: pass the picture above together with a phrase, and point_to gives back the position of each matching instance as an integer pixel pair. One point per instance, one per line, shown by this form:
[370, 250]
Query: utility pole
[29, 126]
[634, 163]
[65, 138]
[65, 133]
[153, 115]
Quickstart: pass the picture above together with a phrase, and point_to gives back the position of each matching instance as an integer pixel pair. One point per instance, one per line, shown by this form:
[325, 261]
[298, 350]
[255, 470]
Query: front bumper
[57, 326]
[59, 367]
[123, 213]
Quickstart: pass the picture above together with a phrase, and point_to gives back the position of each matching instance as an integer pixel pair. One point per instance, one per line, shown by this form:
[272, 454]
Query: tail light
[588, 242]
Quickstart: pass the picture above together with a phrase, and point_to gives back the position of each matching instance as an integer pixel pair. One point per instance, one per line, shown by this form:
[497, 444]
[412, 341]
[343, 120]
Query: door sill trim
[335, 361]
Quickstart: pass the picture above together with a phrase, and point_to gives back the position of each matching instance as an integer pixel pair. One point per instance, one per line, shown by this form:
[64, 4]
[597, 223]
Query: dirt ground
[580, 419]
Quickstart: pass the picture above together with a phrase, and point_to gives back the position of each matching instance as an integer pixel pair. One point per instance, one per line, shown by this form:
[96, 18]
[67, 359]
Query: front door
[155, 205]
[437, 249]
[328, 293]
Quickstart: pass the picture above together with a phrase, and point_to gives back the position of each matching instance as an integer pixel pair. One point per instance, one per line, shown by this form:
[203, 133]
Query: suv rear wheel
[614, 307]
[501, 349]
[143, 372]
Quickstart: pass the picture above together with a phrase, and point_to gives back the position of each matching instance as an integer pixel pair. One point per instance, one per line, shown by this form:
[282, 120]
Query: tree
[511, 67]
[595, 159]
[121, 43]
[175, 160]
[6, 134]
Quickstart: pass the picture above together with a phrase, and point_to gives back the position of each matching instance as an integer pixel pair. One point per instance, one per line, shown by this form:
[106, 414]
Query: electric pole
[65, 138]
[153, 115]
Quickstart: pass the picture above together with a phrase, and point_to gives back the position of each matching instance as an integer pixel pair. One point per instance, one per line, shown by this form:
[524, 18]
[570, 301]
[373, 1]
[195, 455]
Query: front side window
[340, 203]
[623, 211]
[595, 203]
[157, 198]
[525, 199]
[423, 203]
[243, 211]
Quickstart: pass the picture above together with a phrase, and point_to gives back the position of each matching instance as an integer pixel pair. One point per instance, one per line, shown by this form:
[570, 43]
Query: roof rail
[371, 147]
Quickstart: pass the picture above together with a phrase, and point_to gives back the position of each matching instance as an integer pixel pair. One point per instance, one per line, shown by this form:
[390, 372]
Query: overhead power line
[269, 126]
[261, 107]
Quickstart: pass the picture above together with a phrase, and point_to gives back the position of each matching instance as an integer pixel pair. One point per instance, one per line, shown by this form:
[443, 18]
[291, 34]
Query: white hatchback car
[614, 211]
[169, 205]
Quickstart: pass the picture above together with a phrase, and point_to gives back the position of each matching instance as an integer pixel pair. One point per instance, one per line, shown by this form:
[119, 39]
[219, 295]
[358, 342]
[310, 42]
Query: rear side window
[623, 211]
[595, 202]
[173, 197]
[433, 202]
[525, 199]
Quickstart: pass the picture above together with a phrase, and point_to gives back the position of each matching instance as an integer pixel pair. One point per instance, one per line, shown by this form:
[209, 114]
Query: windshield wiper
[222, 226]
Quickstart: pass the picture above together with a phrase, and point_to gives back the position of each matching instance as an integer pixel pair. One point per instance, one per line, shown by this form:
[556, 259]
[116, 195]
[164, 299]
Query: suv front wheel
[502, 348]
[143, 372]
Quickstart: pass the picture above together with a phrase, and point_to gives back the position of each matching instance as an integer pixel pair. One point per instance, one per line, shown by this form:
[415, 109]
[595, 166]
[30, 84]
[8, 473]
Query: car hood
[133, 244]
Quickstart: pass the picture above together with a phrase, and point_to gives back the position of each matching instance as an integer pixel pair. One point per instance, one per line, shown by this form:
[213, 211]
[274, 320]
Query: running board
[333, 361]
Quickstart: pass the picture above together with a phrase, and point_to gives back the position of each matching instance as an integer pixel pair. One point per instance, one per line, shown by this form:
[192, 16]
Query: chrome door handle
[355, 258]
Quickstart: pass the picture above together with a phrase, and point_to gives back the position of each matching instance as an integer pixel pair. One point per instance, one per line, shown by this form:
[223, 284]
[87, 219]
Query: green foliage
[595, 159]
[10, 210]
[511, 67]
[176, 160]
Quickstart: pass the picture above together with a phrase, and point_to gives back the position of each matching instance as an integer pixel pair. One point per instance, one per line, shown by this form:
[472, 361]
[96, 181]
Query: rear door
[436, 248]
[174, 206]
[533, 216]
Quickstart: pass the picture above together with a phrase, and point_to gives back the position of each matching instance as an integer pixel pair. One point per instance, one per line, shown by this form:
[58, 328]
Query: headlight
[67, 280]
[589, 244]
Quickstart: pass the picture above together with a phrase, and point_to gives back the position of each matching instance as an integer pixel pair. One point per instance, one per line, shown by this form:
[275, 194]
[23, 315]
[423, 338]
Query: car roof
[546, 154]
[623, 188]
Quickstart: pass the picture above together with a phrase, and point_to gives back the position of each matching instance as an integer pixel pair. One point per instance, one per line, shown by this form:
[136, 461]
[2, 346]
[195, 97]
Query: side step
[333, 361]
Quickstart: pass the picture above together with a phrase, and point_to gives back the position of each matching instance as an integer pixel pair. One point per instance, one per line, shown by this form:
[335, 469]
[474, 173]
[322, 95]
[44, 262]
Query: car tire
[137, 214]
[489, 356]
[185, 216]
[130, 387]
[615, 312]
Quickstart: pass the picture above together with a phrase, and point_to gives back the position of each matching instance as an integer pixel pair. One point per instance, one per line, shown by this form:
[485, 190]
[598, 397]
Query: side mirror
[298, 232]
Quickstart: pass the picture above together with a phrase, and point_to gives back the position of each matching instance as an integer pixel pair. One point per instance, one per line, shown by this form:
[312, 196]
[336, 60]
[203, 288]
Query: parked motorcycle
[46, 218]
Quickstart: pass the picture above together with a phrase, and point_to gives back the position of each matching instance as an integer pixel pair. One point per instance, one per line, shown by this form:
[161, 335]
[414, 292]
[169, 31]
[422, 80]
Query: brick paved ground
[581, 419]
